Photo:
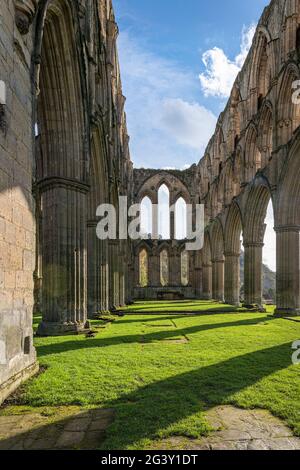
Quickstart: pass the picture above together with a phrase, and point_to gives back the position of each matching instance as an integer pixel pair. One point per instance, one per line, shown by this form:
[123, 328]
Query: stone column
[122, 274]
[253, 274]
[232, 278]
[206, 282]
[104, 296]
[111, 274]
[94, 271]
[218, 280]
[288, 271]
[198, 282]
[64, 240]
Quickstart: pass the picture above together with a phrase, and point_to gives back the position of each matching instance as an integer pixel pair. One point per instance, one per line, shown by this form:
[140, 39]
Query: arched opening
[269, 257]
[217, 246]
[143, 268]
[184, 268]
[266, 135]
[146, 217]
[263, 72]
[287, 222]
[288, 109]
[164, 268]
[234, 262]
[61, 174]
[164, 212]
[180, 219]
[252, 154]
[254, 240]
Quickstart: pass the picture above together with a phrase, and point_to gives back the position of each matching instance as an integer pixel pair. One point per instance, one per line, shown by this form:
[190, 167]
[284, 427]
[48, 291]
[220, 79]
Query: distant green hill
[269, 281]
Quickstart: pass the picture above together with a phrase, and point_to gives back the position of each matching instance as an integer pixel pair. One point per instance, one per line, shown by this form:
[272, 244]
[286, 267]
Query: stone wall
[17, 220]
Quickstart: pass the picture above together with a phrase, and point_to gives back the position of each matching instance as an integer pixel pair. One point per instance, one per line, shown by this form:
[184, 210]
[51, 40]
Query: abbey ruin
[64, 149]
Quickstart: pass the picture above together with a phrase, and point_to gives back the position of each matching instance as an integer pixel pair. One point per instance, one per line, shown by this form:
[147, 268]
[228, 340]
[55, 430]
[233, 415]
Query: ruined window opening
[164, 213]
[180, 219]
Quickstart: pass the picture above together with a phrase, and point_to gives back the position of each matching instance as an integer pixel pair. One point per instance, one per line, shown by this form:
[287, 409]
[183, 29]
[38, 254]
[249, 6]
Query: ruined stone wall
[181, 184]
[17, 220]
[64, 150]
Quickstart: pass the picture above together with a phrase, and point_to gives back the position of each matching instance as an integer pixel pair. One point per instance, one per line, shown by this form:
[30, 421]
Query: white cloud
[166, 125]
[221, 72]
[191, 124]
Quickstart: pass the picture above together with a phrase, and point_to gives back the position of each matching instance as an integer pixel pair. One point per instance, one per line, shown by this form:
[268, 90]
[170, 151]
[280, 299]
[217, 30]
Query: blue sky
[178, 60]
[162, 44]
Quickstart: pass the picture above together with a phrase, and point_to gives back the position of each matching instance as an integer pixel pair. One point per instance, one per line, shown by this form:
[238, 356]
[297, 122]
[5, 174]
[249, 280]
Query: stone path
[237, 429]
[72, 428]
[76, 430]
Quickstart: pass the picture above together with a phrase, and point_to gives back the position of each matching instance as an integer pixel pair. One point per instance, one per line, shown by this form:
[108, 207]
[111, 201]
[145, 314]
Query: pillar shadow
[72, 345]
[147, 411]
[155, 407]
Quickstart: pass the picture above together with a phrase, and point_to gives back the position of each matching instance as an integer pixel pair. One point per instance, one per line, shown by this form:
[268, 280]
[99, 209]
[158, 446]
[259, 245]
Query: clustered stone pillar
[218, 279]
[97, 273]
[232, 278]
[207, 281]
[94, 271]
[64, 256]
[253, 274]
[288, 270]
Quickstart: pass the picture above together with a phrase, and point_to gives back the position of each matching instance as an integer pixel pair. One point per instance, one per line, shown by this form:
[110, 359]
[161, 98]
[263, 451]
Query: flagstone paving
[67, 429]
[70, 428]
[237, 429]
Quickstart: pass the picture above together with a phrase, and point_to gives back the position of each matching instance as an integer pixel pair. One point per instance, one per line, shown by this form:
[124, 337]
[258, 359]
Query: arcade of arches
[65, 150]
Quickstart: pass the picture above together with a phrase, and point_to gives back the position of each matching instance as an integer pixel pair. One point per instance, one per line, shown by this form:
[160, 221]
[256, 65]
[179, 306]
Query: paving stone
[69, 440]
[92, 440]
[100, 424]
[41, 444]
[78, 424]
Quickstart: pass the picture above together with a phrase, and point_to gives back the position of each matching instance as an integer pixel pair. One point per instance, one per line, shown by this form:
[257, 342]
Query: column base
[255, 308]
[60, 329]
[287, 312]
[99, 314]
[232, 302]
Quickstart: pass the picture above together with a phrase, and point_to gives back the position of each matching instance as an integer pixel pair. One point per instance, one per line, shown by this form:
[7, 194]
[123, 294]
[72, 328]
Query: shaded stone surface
[236, 429]
[67, 428]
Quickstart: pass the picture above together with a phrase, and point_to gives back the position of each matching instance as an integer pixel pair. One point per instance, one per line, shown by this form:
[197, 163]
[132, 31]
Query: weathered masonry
[64, 150]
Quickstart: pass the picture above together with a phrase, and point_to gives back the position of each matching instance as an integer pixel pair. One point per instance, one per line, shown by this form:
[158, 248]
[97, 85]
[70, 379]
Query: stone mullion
[253, 274]
[288, 271]
[232, 278]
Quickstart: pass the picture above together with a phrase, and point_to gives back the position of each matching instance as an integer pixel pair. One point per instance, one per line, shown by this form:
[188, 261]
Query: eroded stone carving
[25, 12]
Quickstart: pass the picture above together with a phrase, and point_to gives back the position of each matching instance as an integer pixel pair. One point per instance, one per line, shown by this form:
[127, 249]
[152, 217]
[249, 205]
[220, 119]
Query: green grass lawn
[161, 372]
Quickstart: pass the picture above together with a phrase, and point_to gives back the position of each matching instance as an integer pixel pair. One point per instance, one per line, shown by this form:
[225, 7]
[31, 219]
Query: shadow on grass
[56, 348]
[147, 412]
[164, 405]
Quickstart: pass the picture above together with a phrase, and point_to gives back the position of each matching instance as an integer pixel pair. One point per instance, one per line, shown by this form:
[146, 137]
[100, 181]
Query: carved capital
[25, 12]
